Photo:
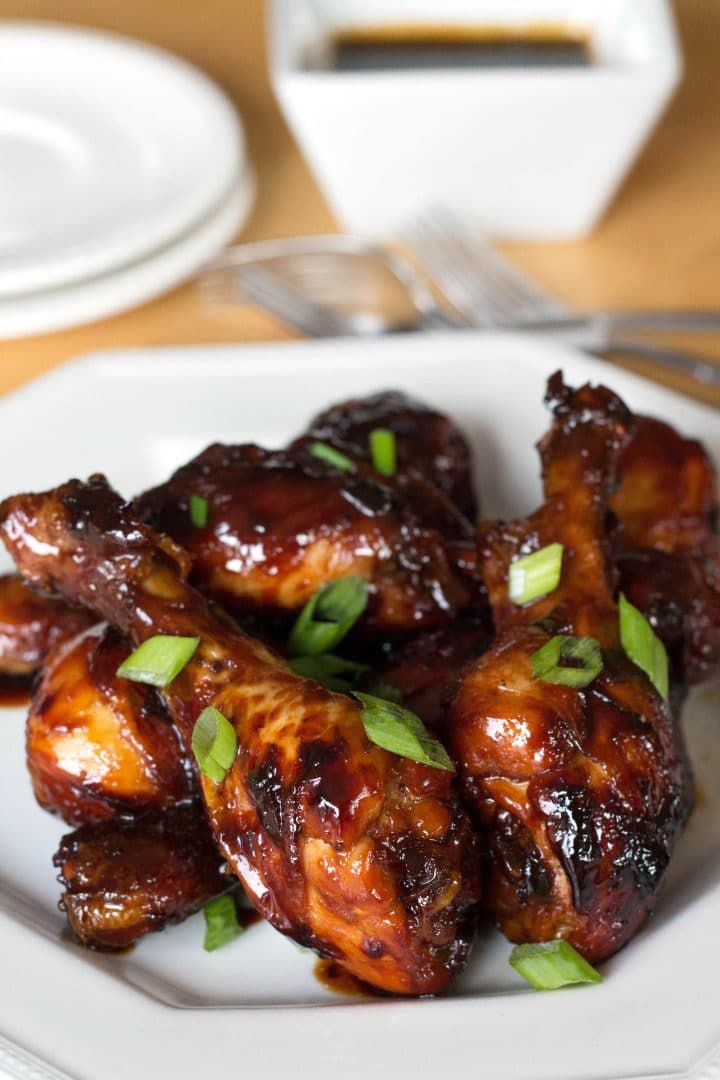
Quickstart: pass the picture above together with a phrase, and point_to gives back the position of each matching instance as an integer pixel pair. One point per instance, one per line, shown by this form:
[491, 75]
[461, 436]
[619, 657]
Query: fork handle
[436, 318]
[703, 371]
[622, 322]
[697, 321]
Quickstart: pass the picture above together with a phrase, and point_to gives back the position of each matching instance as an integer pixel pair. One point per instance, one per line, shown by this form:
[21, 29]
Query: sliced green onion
[643, 646]
[214, 744]
[401, 732]
[552, 964]
[221, 922]
[328, 615]
[387, 691]
[535, 575]
[158, 660]
[568, 661]
[198, 511]
[323, 452]
[383, 450]
[334, 672]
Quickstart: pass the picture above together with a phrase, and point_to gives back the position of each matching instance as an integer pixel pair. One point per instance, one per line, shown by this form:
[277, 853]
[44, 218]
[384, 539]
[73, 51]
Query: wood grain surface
[658, 246]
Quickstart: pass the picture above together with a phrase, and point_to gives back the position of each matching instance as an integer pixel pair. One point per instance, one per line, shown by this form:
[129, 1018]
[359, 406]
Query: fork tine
[217, 287]
[442, 267]
[309, 318]
[469, 287]
[478, 281]
[474, 283]
[480, 252]
[225, 285]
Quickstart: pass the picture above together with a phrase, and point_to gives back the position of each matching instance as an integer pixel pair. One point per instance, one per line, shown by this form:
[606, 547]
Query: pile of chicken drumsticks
[566, 800]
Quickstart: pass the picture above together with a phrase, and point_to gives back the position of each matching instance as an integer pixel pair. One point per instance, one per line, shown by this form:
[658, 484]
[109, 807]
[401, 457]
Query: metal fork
[487, 292]
[268, 291]
[326, 286]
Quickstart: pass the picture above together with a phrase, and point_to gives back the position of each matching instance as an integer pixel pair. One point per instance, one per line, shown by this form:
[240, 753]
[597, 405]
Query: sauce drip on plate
[334, 977]
[14, 692]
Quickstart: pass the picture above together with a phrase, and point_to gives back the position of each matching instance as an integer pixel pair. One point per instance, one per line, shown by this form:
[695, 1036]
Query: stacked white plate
[122, 170]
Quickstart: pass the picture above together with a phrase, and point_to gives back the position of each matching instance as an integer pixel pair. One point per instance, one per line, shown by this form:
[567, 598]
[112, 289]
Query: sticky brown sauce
[68, 938]
[14, 693]
[247, 916]
[333, 977]
[430, 45]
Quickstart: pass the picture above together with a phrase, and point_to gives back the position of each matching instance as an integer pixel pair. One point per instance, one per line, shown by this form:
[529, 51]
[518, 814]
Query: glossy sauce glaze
[97, 744]
[427, 442]
[247, 916]
[31, 625]
[667, 496]
[356, 852]
[667, 546]
[425, 670]
[580, 793]
[128, 877]
[282, 524]
[366, 857]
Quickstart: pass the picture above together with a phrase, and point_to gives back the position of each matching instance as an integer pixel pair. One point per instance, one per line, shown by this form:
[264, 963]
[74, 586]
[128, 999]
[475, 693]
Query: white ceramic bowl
[524, 152]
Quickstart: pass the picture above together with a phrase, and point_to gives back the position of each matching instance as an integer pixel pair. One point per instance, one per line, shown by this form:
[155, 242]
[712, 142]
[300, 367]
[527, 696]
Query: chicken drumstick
[358, 853]
[667, 546]
[98, 745]
[580, 793]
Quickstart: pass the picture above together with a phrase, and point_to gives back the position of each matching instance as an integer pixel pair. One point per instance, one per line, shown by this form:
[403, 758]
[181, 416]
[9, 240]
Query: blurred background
[656, 246]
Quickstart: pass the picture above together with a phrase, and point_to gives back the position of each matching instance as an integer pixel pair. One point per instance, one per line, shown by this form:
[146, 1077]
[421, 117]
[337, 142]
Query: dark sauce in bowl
[430, 46]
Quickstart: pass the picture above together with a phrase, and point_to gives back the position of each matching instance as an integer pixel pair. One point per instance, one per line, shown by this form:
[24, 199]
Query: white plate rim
[134, 283]
[126, 240]
[330, 1041]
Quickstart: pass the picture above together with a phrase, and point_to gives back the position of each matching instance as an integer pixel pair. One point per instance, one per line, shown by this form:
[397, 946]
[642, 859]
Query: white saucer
[109, 148]
[134, 283]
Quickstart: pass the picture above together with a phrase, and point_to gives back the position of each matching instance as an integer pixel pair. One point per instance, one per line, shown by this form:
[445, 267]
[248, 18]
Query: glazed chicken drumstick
[280, 524]
[579, 793]
[103, 754]
[99, 745]
[128, 877]
[32, 625]
[427, 441]
[358, 853]
[667, 546]
[434, 492]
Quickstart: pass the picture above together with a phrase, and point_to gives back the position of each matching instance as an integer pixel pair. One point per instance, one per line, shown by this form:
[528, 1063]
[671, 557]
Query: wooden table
[659, 244]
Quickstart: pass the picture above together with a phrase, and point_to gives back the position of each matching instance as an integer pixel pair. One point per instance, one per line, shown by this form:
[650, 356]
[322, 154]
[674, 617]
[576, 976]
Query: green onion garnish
[568, 661]
[328, 615]
[158, 660]
[214, 744]
[535, 575]
[333, 672]
[401, 732]
[332, 456]
[643, 646]
[221, 922]
[387, 691]
[382, 448]
[198, 511]
[552, 964]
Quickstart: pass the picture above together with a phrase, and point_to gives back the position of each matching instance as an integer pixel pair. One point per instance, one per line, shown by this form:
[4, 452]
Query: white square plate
[254, 1009]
